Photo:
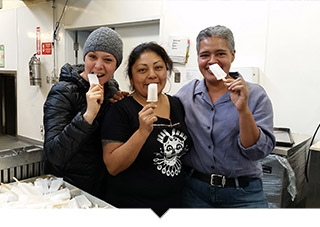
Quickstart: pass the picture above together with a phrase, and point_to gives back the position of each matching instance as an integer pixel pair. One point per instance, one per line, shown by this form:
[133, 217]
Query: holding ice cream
[231, 123]
[74, 110]
[144, 137]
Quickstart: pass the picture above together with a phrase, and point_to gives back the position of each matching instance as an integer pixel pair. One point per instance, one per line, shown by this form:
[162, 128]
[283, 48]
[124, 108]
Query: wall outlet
[177, 75]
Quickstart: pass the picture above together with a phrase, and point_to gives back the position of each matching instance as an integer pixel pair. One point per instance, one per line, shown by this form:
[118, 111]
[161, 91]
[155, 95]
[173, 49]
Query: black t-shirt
[154, 180]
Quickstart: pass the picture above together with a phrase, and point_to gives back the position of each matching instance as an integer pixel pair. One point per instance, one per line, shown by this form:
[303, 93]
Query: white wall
[291, 64]
[30, 99]
[17, 27]
[279, 37]
[84, 13]
[8, 38]
[247, 19]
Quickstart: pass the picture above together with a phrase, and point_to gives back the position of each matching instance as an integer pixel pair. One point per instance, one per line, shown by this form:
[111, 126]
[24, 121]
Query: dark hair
[145, 47]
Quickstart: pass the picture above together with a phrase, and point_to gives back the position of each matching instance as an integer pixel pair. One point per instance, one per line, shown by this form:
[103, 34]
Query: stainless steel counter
[299, 140]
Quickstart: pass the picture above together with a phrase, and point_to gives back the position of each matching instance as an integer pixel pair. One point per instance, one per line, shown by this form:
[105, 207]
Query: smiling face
[101, 63]
[214, 50]
[148, 68]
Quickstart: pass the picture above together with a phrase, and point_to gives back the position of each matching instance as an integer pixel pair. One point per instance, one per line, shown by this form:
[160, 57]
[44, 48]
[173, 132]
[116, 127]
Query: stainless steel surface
[299, 140]
[11, 142]
[26, 163]
[94, 200]
[74, 191]
[21, 163]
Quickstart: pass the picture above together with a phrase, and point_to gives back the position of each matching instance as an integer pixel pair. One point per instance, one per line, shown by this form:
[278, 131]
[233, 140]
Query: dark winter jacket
[73, 148]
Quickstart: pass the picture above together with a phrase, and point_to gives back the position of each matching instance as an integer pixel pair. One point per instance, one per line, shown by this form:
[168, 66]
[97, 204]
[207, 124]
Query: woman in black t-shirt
[143, 142]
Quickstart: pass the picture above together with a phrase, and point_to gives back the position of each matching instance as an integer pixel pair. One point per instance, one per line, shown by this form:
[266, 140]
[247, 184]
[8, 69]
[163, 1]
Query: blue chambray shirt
[214, 129]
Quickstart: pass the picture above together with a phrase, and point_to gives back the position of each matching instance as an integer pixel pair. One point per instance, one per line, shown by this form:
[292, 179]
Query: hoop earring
[169, 85]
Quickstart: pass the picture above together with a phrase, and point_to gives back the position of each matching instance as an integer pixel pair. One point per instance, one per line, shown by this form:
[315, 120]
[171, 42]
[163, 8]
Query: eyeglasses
[175, 125]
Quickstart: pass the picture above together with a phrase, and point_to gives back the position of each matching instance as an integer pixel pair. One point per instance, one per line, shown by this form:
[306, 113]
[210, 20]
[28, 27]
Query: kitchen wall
[278, 37]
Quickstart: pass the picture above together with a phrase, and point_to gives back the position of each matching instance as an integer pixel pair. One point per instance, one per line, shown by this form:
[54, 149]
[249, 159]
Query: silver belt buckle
[223, 180]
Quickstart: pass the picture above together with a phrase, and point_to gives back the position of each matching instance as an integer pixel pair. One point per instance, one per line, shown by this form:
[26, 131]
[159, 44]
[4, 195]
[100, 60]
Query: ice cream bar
[152, 93]
[218, 72]
[93, 79]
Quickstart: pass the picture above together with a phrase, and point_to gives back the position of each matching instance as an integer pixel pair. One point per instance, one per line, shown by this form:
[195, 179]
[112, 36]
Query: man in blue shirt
[231, 124]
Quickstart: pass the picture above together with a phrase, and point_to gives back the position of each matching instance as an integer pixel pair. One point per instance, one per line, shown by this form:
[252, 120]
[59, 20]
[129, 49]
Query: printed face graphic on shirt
[168, 159]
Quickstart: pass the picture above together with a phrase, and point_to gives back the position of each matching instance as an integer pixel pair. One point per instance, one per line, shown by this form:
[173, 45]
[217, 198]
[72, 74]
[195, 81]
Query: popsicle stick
[4, 185]
[16, 180]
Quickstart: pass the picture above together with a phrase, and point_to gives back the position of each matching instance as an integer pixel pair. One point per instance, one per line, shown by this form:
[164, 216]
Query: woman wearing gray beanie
[73, 113]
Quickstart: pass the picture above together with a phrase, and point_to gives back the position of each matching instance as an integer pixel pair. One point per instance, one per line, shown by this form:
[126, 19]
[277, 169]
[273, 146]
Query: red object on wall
[47, 48]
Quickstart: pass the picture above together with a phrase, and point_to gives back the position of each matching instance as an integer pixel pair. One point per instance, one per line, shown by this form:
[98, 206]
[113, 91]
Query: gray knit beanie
[104, 39]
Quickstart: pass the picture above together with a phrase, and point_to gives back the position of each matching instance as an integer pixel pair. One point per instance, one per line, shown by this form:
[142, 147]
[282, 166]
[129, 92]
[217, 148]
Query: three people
[143, 142]
[74, 110]
[231, 125]
[230, 122]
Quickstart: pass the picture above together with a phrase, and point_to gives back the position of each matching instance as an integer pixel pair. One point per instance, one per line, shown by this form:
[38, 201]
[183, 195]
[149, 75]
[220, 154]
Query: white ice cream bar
[152, 93]
[83, 201]
[93, 79]
[217, 71]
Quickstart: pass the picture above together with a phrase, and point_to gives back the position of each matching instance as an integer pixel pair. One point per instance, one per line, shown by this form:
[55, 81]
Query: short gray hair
[219, 31]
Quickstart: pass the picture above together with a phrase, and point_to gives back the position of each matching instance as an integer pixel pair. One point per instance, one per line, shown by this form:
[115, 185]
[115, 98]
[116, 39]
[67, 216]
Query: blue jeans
[198, 194]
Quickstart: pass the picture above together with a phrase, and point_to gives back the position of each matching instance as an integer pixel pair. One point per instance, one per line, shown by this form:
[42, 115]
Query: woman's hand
[118, 96]
[239, 93]
[94, 98]
[147, 118]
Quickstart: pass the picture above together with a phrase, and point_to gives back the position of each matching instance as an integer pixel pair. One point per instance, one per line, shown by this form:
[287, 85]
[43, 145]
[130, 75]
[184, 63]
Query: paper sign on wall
[179, 49]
